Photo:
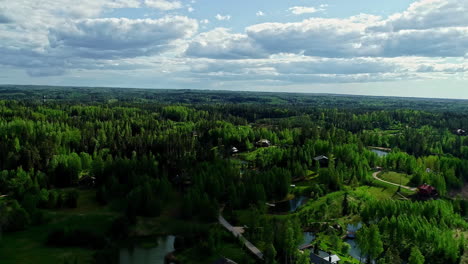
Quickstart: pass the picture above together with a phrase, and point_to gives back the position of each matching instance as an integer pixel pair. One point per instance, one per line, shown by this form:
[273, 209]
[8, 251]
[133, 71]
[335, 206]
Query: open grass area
[395, 177]
[252, 155]
[28, 246]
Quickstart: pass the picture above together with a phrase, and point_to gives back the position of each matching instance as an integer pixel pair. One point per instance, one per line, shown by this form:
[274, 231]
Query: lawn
[395, 177]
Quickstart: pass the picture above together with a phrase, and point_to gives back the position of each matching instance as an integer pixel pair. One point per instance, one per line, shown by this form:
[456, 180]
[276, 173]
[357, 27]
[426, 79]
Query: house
[323, 160]
[264, 143]
[234, 150]
[87, 180]
[426, 190]
[324, 258]
[460, 132]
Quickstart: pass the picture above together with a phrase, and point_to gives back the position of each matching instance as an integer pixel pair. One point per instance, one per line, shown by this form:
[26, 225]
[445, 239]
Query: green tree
[270, 254]
[416, 257]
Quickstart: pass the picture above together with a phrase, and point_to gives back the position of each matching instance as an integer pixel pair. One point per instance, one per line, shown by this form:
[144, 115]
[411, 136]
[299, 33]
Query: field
[395, 177]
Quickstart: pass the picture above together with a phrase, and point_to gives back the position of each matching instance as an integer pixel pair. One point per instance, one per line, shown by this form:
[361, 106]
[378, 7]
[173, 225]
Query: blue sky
[398, 47]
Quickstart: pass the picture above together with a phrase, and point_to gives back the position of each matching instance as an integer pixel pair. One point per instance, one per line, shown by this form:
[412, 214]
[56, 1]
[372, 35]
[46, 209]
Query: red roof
[426, 188]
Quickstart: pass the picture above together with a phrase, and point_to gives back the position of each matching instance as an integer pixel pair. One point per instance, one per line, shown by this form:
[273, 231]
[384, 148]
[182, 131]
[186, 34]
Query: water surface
[152, 255]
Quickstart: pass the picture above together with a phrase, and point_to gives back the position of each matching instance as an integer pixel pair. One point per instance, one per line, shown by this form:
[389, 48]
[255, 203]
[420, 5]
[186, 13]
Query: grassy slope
[396, 177]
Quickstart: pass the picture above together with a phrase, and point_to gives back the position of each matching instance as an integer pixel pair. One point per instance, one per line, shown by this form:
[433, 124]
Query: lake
[379, 152]
[152, 255]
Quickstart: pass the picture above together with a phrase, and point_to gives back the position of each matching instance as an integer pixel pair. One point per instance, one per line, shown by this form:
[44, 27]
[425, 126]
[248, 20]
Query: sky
[393, 48]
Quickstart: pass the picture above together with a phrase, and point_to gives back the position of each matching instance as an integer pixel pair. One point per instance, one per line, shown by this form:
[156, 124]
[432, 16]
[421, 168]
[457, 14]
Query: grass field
[395, 177]
[28, 247]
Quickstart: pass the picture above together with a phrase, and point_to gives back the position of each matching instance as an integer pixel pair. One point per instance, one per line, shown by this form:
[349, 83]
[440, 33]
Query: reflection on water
[380, 153]
[297, 202]
[290, 206]
[309, 237]
[155, 255]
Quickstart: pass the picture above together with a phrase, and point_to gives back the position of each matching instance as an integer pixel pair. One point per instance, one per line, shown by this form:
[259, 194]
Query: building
[264, 143]
[234, 150]
[324, 258]
[323, 160]
[460, 132]
[427, 191]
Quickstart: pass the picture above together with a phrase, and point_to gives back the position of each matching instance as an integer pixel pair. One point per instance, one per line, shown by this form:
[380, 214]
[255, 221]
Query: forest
[86, 172]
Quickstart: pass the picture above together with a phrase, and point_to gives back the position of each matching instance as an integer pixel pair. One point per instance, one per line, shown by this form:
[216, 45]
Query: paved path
[375, 174]
[236, 233]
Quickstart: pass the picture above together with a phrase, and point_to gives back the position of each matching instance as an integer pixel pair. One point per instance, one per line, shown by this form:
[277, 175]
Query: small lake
[151, 255]
[290, 206]
[309, 237]
[354, 251]
[379, 152]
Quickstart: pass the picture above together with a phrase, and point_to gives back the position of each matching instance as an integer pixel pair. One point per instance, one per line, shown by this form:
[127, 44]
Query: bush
[71, 199]
[76, 238]
[18, 219]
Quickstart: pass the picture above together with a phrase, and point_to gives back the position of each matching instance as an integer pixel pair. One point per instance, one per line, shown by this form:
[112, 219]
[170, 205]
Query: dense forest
[83, 171]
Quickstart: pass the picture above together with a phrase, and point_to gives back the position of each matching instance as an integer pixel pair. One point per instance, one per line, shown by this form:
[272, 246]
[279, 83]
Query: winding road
[375, 175]
[235, 231]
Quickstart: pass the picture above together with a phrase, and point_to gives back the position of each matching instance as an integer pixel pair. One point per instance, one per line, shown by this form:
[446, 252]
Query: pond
[309, 237]
[379, 152]
[354, 251]
[151, 255]
[290, 205]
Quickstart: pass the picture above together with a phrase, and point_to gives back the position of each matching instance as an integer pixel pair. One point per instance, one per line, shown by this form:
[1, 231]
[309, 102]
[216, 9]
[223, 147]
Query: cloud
[121, 37]
[221, 17]
[4, 19]
[260, 13]
[163, 5]
[313, 37]
[221, 43]
[426, 14]
[190, 9]
[204, 21]
[300, 10]
[356, 36]
[438, 42]
[45, 72]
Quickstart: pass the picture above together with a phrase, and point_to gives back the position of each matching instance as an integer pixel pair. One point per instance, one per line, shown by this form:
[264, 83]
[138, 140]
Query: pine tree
[416, 257]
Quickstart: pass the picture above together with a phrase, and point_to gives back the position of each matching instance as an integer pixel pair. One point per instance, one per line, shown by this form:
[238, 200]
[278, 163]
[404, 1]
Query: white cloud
[221, 17]
[300, 10]
[204, 21]
[313, 37]
[121, 37]
[163, 5]
[260, 13]
[221, 43]
[190, 9]
[425, 14]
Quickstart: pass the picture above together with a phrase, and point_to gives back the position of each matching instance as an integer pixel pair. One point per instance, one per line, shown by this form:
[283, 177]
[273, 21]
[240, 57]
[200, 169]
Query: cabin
[324, 258]
[322, 160]
[460, 132]
[234, 150]
[263, 143]
[87, 181]
[427, 191]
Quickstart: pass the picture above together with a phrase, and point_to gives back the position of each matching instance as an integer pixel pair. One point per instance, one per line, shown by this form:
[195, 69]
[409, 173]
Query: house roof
[321, 157]
[426, 188]
[322, 255]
